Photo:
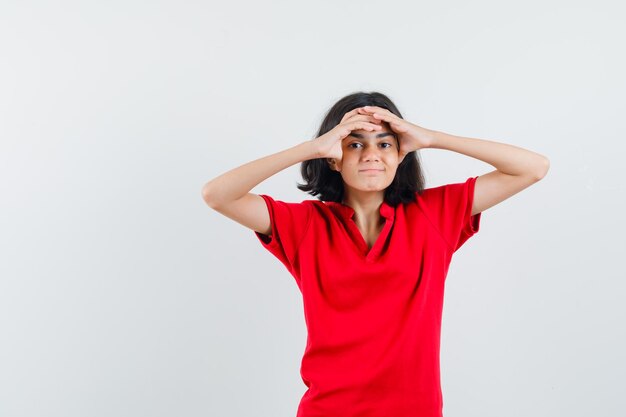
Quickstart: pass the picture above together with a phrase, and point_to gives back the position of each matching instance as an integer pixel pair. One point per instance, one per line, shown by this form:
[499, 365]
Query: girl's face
[370, 160]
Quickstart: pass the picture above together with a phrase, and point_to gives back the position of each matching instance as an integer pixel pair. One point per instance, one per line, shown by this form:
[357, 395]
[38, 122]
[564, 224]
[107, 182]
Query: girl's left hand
[410, 137]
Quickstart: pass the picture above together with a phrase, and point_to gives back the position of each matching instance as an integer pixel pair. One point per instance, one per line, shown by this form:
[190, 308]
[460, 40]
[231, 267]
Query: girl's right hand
[329, 144]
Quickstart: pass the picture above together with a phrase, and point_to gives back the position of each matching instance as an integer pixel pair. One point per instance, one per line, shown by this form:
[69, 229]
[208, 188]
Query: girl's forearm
[506, 158]
[237, 182]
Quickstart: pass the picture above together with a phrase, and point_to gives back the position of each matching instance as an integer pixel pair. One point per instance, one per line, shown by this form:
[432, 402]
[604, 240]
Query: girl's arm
[237, 182]
[507, 159]
[229, 194]
[516, 168]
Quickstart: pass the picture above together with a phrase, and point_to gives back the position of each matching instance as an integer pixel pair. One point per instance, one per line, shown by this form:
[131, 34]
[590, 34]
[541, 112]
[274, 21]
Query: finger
[393, 120]
[384, 117]
[350, 114]
[360, 126]
[371, 110]
[364, 126]
[375, 108]
[363, 117]
[380, 110]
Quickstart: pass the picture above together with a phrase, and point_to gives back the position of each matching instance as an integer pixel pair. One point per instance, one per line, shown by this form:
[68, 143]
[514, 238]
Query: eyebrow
[380, 135]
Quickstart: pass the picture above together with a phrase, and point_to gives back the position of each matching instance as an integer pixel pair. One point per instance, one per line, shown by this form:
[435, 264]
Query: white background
[123, 294]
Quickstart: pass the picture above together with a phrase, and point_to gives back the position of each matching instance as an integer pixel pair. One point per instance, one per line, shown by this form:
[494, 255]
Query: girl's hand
[329, 144]
[410, 137]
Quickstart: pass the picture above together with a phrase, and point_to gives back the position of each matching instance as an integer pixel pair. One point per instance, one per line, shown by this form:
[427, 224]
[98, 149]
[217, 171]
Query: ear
[332, 164]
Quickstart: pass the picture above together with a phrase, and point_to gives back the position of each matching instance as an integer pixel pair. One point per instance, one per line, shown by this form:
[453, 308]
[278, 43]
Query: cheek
[348, 157]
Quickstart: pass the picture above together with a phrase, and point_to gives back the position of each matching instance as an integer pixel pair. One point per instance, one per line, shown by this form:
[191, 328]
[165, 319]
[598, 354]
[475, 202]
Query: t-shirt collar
[347, 212]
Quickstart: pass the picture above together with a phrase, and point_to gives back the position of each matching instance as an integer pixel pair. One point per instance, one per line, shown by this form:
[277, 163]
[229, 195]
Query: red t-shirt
[373, 317]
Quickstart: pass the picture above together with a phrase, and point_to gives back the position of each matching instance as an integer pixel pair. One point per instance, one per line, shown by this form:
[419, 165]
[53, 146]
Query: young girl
[371, 254]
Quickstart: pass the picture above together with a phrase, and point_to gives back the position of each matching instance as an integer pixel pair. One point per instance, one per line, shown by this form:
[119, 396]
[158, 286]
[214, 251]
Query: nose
[370, 153]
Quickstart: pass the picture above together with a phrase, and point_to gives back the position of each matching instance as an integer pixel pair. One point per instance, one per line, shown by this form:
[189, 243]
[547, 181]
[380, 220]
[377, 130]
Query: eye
[384, 143]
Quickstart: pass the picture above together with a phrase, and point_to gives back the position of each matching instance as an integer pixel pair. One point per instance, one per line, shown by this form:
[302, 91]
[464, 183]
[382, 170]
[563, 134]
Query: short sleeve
[450, 207]
[289, 224]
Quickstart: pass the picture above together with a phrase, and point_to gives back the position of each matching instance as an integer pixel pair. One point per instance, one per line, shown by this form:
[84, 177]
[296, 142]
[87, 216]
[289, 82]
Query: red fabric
[373, 317]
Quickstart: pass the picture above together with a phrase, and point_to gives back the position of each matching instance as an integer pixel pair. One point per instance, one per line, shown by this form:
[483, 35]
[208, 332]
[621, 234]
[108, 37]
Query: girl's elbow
[543, 168]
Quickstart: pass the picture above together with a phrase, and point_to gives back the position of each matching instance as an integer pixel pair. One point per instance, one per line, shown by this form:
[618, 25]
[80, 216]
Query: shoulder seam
[435, 227]
[306, 229]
